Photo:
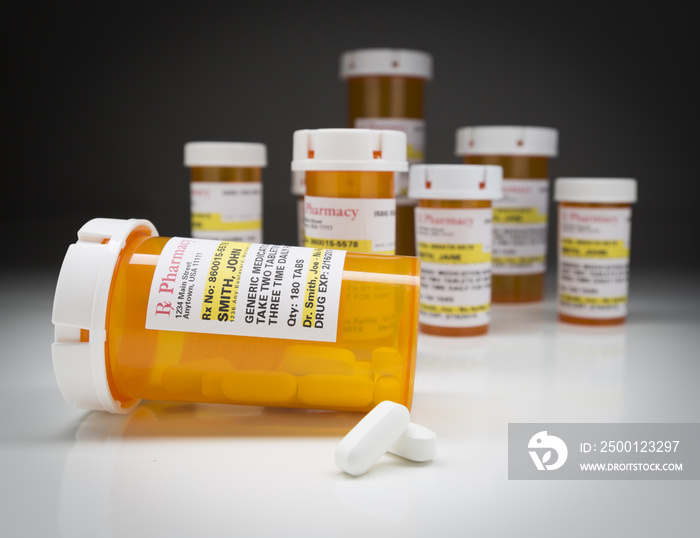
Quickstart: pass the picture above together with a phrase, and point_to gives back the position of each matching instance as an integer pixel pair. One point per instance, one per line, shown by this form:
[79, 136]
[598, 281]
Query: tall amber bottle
[386, 90]
[594, 231]
[520, 219]
[454, 236]
[226, 189]
[350, 202]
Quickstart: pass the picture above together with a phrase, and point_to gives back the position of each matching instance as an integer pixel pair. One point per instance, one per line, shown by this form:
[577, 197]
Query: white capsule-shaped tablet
[417, 443]
[371, 437]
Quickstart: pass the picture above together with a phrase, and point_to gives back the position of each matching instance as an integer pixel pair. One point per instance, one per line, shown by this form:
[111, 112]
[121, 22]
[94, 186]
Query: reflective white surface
[173, 469]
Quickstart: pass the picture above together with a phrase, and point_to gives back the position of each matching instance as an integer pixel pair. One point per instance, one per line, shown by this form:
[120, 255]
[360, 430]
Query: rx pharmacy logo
[543, 444]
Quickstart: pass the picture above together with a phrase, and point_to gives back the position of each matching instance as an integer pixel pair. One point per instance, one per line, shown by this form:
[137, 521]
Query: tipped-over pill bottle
[520, 217]
[139, 316]
[226, 189]
[349, 174]
[385, 89]
[594, 230]
[453, 240]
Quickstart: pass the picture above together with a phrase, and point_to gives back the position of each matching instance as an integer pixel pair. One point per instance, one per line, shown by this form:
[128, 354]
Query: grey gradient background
[101, 97]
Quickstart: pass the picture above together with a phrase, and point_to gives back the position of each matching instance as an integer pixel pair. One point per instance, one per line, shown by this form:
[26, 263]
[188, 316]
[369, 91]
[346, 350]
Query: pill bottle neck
[514, 166]
[221, 173]
[464, 204]
[385, 97]
[350, 184]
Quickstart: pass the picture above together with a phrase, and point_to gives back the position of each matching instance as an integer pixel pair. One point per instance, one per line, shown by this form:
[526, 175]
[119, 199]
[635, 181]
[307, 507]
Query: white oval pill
[417, 443]
[371, 437]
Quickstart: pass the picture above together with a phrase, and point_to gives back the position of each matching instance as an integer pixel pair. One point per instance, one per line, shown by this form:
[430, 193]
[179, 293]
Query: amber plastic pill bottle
[385, 89]
[139, 316]
[298, 190]
[349, 175]
[594, 230]
[453, 240]
[226, 189]
[520, 218]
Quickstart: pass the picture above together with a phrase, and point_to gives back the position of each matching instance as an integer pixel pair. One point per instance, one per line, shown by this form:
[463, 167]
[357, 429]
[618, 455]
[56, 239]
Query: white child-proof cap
[80, 304]
[595, 190]
[349, 150]
[226, 154]
[507, 140]
[386, 62]
[455, 182]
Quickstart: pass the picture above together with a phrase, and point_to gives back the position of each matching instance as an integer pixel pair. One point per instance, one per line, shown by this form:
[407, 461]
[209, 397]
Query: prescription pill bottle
[226, 189]
[453, 241]
[520, 217]
[593, 239]
[349, 173]
[139, 316]
[385, 89]
[298, 191]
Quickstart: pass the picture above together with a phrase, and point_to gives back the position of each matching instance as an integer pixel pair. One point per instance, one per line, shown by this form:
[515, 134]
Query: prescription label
[594, 261]
[520, 227]
[415, 141]
[454, 246]
[226, 210]
[354, 224]
[228, 287]
[414, 129]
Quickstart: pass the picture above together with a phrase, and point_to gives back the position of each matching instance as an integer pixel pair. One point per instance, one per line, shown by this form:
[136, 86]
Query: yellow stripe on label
[581, 300]
[518, 260]
[588, 248]
[449, 309]
[413, 153]
[212, 222]
[223, 279]
[518, 215]
[453, 254]
[352, 245]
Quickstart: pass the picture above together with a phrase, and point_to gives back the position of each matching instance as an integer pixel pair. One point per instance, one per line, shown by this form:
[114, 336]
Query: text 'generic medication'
[595, 216]
[350, 202]
[520, 217]
[226, 189]
[139, 316]
[453, 240]
[386, 90]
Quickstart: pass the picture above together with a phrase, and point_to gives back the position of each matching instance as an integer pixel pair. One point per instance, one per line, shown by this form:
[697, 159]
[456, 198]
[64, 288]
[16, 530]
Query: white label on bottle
[520, 227]
[415, 141]
[454, 246]
[594, 261]
[226, 287]
[231, 211]
[354, 224]
[414, 129]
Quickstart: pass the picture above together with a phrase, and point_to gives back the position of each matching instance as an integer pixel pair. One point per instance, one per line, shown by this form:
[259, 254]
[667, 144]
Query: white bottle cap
[349, 150]
[595, 190]
[386, 62]
[507, 140]
[80, 304]
[228, 154]
[455, 182]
